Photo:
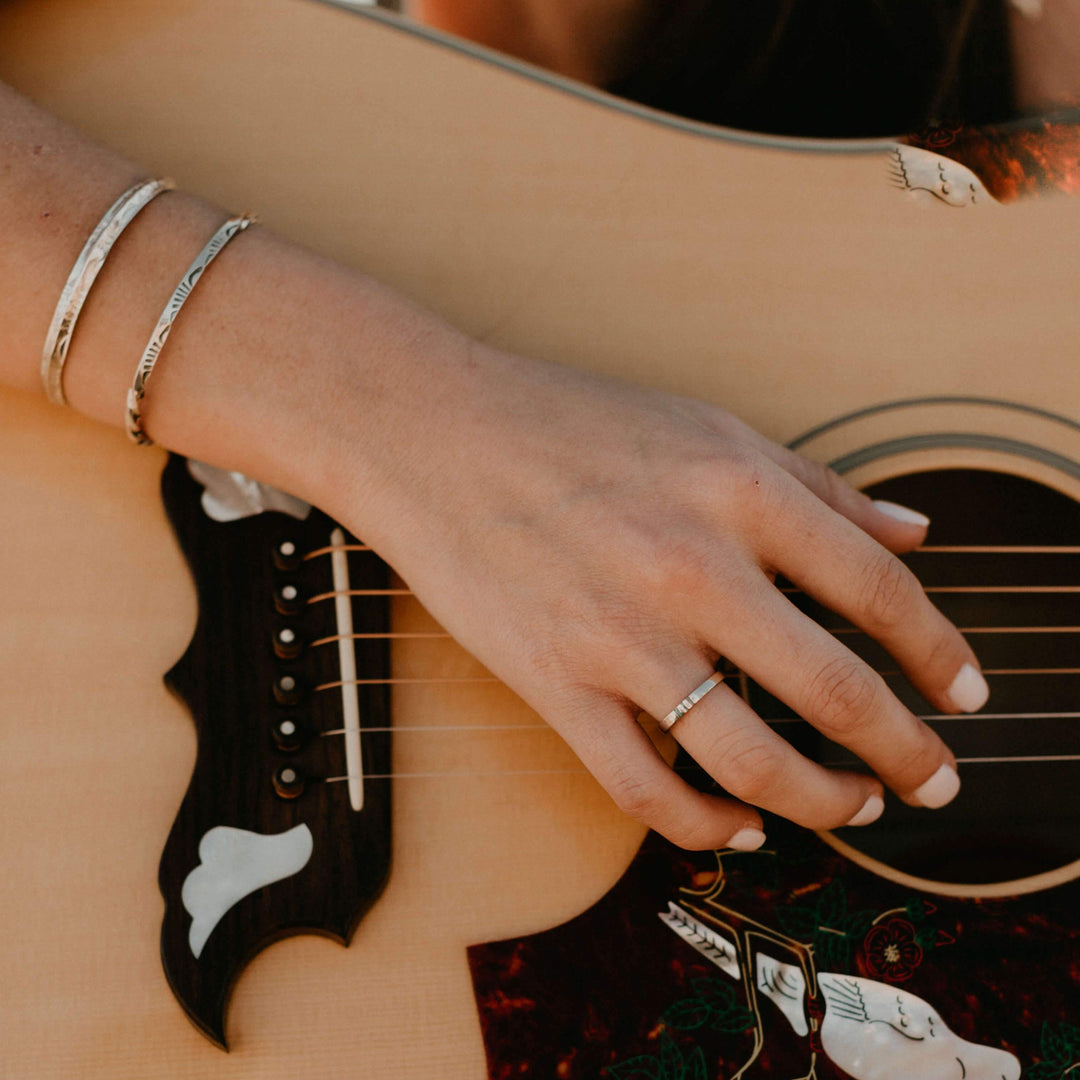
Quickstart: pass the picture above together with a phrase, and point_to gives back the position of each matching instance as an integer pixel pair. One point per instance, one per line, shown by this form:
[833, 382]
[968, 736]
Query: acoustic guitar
[867, 302]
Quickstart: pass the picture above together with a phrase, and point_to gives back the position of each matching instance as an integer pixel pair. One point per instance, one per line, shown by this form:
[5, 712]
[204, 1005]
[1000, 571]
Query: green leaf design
[926, 935]
[857, 925]
[819, 922]
[687, 1014]
[719, 994]
[733, 1021]
[672, 1065]
[642, 1067]
[833, 951]
[1055, 1045]
[1043, 1071]
[832, 905]
[915, 909]
[799, 921]
[696, 1068]
[1071, 1034]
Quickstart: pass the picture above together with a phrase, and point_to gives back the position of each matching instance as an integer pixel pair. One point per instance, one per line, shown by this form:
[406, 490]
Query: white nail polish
[747, 840]
[968, 691]
[940, 789]
[901, 513]
[871, 811]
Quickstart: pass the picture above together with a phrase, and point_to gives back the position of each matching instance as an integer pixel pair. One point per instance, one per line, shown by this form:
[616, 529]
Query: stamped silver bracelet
[133, 419]
[83, 275]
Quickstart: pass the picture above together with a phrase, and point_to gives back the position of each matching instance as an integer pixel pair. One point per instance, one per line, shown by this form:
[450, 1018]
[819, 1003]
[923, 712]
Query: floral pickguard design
[787, 963]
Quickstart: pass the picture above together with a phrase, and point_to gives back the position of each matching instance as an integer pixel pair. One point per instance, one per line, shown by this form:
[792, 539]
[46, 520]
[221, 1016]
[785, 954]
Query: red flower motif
[938, 137]
[892, 953]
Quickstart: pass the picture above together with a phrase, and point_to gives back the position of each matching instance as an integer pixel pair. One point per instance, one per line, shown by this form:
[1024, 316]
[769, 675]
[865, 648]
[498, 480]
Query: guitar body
[794, 285]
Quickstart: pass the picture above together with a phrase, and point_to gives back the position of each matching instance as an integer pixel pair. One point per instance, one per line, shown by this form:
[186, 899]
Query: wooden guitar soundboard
[799, 285]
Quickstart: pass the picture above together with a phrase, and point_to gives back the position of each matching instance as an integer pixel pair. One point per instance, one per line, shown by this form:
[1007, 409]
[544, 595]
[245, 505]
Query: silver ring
[690, 701]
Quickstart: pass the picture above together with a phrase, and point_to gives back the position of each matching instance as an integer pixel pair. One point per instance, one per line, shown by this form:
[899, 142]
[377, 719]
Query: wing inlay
[233, 864]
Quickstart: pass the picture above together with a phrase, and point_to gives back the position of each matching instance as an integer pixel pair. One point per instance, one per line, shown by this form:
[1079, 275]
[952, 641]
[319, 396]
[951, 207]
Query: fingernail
[901, 513]
[968, 691]
[747, 840]
[871, 811]
[940, 789]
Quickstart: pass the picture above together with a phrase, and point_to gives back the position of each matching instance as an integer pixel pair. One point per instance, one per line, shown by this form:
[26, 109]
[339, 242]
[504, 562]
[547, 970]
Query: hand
[598, 546]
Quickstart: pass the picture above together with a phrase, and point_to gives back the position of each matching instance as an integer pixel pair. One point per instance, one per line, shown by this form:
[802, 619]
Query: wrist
[281, 364]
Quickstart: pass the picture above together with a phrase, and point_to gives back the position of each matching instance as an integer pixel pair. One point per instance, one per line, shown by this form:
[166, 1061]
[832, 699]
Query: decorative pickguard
[923, 947]
[279, 832]
[843, 975]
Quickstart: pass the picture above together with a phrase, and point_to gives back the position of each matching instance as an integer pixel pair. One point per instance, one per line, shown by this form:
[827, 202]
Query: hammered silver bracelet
[82, 277]
[133, 419]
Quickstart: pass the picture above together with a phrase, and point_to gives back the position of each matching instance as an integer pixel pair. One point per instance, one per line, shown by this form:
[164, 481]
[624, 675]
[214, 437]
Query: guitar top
[870, 301]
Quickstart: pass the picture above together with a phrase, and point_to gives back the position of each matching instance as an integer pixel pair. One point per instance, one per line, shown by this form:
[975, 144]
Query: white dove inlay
[234, 863]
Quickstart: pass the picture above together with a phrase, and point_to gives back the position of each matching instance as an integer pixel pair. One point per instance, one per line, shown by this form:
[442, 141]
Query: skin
[596, 545]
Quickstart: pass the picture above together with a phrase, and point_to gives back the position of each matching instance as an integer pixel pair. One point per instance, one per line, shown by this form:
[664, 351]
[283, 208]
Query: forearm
[267, 346]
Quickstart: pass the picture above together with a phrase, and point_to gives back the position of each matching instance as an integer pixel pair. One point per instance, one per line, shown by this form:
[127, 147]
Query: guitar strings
[329, 549]
[1001, 549]
[407, 681]
[734, 675]
[966, 549]
[1017, 759]
[359, 592]
[933, 549]
[777, 722]
[792, 591]
[395, 634]
[985, 630]
[787, 590]
[738, 675]
[471, 773]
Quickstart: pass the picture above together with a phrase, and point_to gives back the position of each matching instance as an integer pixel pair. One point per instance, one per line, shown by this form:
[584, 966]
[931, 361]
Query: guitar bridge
[287, 679]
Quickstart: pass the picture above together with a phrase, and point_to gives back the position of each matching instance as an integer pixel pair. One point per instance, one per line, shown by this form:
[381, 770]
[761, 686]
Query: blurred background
[992, 83]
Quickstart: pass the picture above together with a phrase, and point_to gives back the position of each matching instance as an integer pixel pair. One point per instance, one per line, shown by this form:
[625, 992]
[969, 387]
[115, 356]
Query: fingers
[750, 760]
[835, 560]
[844, 569]
[844, 699]
[620, 755]
[898, 528]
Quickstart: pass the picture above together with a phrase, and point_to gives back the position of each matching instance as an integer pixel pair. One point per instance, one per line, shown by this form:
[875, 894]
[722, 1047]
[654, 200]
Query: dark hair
[830, 68]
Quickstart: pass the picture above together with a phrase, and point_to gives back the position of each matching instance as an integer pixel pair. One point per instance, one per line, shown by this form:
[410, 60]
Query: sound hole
[1019, 606]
